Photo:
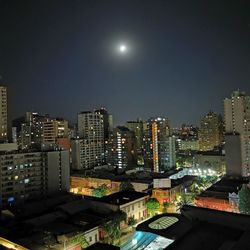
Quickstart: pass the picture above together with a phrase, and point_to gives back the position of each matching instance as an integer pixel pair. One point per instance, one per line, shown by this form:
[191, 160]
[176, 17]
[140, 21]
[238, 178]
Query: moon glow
[122, 48]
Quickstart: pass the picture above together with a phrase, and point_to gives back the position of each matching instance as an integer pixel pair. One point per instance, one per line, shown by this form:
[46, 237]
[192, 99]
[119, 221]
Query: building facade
[209, 162]
[3, 114]
[161, 144]
[86, 154]
[237, 128]
[211, 131]
[138, 128]
[88, 150]
[26, 176]
[31, 133]
[122, 148]
[188, 144]
[54, 129]
[131, 202]
[107, 122]
[107, 128]
[85, 185]
[90, 126]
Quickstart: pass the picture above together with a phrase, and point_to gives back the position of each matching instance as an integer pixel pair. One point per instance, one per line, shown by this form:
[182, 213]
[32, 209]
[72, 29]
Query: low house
[130, 202]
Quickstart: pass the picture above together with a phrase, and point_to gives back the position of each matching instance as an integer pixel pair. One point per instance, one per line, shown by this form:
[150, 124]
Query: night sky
[59, 57]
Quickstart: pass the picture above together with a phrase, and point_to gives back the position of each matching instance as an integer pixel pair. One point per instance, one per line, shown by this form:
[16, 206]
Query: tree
[202, 183]
[183, 199]
[112, 227]
[100, 191]
[179, 161]
[79, 239]
[244, 199]
[120, 216]
[131, 221]
[196, 189]
[165, 206]
[152, 205]
[112, 230]
[126, 186]
[184, 161]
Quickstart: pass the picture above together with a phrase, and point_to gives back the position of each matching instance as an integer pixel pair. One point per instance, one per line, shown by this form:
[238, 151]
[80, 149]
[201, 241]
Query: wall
[136, 209]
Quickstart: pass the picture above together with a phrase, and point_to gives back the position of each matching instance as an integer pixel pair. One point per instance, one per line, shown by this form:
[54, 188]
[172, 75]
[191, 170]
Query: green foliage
[153, 205]
[120, 216]
[184, 161]
[100, 191]
[126, 185]
[131, 221]
[244, 199]
[202, 183]
[112, 228]
[79, 239]
[183, 199]
[179, 161]
[165, 206]
[113, 231]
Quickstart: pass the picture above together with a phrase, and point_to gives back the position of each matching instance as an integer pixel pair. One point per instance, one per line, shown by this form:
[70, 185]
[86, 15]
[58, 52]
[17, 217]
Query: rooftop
[102, 246]
[200, 228]
[139, 176]
[222, 188]
[123, 197]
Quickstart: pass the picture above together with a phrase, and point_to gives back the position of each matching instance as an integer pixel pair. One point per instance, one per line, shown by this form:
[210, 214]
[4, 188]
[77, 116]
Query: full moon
[122, 48]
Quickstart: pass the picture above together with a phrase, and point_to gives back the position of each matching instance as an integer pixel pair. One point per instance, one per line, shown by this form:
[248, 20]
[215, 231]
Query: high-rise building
[90, 126]
[3, 114]
[186, 139]
[237, 128]
[14, 134]
[233, 154]
[25, 136]
[41, 131]
[122, 148]
[25, 176]
[211, 131]
[88, 150]
[138, 128]
[107, 128]
[162, 144]
[107, 122]
[85, 154]
[53, 129]
[31, 132]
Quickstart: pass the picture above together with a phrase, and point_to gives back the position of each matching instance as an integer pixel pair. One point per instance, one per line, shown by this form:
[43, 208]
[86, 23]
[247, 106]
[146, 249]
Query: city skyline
[189, 55]
[124, 124]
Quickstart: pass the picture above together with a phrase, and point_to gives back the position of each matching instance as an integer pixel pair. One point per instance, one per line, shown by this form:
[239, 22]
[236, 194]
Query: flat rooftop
[200, 228]
[222, 188]
[123, 197]
[102, 246]
[139, 176]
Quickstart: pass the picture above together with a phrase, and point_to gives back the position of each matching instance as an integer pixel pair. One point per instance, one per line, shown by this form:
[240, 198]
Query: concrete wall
[58, 171]
[213, 162]
[136, 209]
[92, 235]
[233, 155]
[75, 154]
